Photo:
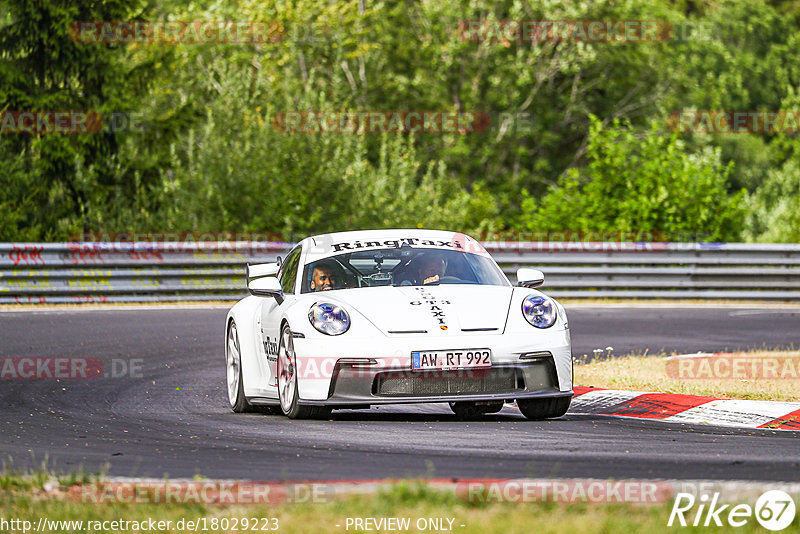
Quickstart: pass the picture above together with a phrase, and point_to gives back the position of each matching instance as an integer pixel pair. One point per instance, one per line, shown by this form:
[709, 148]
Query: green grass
[650, 373]
[23, 497]
[13, 479]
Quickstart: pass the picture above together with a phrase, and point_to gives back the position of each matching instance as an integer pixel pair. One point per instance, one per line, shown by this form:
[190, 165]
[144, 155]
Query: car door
[271, 313]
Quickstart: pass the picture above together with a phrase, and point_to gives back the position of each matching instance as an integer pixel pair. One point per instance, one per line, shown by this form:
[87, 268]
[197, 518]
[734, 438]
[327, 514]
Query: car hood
[444, 309]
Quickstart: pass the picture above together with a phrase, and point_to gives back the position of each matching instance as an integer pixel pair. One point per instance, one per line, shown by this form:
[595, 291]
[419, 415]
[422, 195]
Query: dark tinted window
[288, 272]
[404, 266]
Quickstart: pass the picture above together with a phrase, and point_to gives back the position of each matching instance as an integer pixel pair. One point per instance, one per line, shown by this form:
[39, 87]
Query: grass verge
[712, 378]
[24, 498]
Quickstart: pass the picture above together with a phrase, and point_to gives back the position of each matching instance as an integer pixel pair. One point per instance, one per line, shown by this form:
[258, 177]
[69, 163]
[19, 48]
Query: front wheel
[538, 409]
[287, 382]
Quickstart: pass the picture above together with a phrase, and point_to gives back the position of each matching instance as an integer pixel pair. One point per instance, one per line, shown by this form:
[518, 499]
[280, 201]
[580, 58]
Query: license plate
[451, 359]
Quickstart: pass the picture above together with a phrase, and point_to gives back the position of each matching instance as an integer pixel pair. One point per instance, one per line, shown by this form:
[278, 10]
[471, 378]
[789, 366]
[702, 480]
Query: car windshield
[404, 266]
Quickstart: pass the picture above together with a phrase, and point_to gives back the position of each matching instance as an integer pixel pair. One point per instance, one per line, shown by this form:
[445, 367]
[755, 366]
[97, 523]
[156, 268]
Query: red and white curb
[693, 409]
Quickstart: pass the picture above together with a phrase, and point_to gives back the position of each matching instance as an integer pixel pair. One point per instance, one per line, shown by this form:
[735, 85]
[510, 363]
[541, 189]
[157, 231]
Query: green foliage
[262, 178]
[647, 184]
[775, 207]
[210, 159]
[44, 69]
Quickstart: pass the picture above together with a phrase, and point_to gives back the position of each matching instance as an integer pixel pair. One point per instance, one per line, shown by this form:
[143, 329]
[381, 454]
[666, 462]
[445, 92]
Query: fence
[160, 272]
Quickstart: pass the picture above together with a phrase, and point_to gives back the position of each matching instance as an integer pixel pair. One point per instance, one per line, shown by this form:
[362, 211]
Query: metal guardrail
[161, 272]
[659, 270]
[32, 273]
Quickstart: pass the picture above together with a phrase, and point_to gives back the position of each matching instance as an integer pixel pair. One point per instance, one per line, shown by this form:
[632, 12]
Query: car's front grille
[431, 383]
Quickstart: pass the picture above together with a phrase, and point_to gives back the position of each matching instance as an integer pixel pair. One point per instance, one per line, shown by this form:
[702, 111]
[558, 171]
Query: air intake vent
[408, 331]
[432, 383]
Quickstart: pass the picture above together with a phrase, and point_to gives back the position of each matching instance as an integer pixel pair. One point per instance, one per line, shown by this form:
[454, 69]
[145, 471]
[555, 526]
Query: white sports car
[355, 319]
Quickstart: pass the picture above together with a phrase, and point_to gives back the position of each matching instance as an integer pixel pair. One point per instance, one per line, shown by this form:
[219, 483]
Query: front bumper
[379, 371]
[501, 383]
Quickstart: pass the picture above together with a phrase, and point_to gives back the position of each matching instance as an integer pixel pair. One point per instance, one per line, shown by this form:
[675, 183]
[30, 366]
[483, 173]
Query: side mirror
[268, 286]
[262, 269]
[527, 277]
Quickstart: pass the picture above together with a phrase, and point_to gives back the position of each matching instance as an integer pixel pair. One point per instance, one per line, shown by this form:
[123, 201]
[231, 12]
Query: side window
[288, 273]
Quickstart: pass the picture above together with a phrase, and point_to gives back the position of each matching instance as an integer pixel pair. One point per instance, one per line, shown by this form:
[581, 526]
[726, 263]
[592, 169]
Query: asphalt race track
[172, 417]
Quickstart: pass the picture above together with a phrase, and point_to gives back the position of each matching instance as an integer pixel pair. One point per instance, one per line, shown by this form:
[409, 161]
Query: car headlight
[329, 319]
[539, 311]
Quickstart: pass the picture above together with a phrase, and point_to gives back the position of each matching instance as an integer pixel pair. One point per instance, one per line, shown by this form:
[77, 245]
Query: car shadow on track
[370, 416]
[422, 414]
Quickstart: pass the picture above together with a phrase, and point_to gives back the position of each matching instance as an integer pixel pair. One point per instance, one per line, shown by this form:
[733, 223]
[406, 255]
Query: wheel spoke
[286, 339]
[286, 371]
[233, 359]
[286, 389]
[290, 389]
[233, 363]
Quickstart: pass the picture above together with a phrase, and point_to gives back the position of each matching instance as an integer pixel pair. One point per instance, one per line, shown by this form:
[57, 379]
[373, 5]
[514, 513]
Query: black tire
[242, 405]
[287, 371]
[538, 409]
[470, 410]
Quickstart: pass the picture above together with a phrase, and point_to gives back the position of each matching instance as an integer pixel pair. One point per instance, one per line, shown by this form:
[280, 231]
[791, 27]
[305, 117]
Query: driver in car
[430, 268]
[323, 277]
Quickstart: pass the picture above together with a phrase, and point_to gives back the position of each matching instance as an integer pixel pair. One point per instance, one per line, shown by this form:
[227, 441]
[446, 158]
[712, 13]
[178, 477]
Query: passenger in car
[324, 277]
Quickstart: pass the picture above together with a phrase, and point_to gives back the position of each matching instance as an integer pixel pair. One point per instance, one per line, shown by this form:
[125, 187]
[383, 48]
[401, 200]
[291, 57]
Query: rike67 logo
[774, 510]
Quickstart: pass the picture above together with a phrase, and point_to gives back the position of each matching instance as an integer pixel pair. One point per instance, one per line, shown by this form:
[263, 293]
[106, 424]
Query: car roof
[325, 245]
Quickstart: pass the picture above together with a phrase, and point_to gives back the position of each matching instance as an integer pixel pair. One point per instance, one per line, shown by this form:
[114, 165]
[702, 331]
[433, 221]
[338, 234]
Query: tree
[647, 184]
[775, 207]
[45, 70]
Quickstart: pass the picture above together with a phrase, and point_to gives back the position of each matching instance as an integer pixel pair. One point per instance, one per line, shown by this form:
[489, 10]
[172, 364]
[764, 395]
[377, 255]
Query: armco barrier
[128, 272]
[161, 272]
[658, 270]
